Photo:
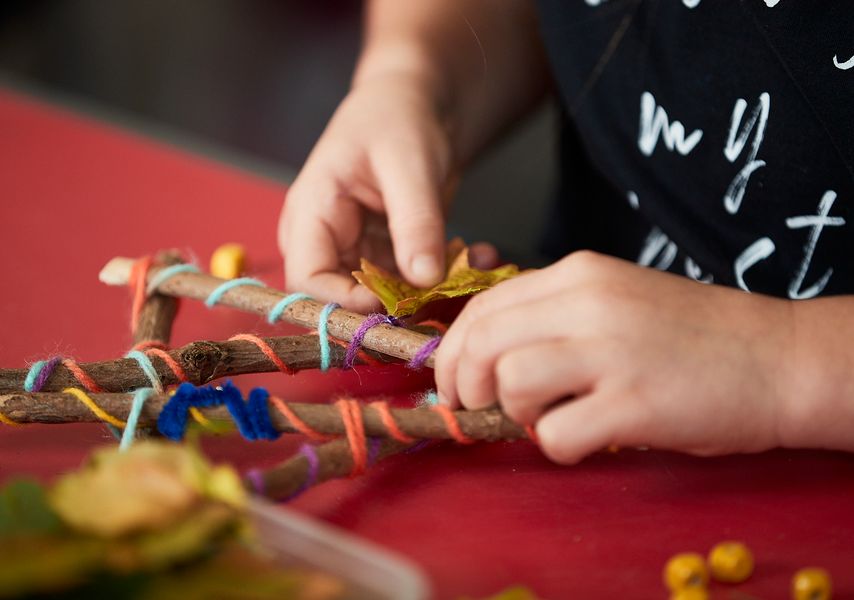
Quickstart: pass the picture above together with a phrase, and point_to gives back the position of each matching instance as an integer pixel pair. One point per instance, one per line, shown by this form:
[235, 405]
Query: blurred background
[249, 82]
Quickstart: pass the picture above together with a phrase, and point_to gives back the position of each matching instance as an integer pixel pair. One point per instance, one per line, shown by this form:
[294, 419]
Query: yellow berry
[731, 562]
[811, 584]
[684, 570]
[228, 261]
[690, 593]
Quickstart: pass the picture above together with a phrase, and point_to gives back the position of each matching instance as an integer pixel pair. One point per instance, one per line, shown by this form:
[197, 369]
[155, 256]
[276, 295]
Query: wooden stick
[202, 362]
[158, 313]
[386, 339]
[422, 423]
[335, 460]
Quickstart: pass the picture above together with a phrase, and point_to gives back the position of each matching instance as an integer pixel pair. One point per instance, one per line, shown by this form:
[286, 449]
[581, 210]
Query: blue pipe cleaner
[252, 417]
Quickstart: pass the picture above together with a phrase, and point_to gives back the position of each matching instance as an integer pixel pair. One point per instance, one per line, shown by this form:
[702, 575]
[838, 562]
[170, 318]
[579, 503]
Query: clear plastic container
[371, 572]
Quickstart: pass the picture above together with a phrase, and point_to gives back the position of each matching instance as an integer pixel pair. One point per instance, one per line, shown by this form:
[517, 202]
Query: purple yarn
[418, 446]
[374, 445]
[256, 478]
[45, 373]
[359, 335]
[424, 353]
[310, 455]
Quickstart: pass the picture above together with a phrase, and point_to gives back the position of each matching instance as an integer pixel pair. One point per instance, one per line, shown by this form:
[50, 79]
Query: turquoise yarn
[32, 374]
[167, 273]
[276, 312]
[323, 334]
[430, 398]
[139, 398]
[117, 433]
[216, 295]
[147, 367]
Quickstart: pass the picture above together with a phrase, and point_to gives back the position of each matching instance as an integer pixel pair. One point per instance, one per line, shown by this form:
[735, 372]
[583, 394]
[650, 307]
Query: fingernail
[425, 268]
[442, 399]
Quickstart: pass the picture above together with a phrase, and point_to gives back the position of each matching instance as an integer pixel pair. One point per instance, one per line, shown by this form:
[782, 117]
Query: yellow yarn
[200, 418]
[97, 410]
[7, 421]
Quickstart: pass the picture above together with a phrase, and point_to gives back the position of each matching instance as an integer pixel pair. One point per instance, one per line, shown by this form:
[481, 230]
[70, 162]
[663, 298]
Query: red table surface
[476, 518]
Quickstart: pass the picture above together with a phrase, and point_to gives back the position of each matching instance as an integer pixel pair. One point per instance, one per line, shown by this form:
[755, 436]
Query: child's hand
[373, 187]
[597, 351]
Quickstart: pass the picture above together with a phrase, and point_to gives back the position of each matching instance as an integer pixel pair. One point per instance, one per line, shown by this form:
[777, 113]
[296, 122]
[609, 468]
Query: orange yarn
[390, 424]
[265, 348]
[173, 365]
[82, 376]
[437, 325]
[351, 414]
[532, 434]
[451, 423]
[138, 277]
[298, 423]
[149, 344]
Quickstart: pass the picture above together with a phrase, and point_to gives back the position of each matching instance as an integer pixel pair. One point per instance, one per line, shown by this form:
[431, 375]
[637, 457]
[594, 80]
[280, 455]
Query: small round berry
[811, 584]
[684, 570]
[731, 562]
[691, 593]
[228, 261]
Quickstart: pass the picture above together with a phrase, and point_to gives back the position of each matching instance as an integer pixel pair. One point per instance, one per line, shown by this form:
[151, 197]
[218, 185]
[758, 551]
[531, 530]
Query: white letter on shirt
[654, 124]
[817, 223]
[848, 64]
[735, 144]
[758, 250]
[657, 245]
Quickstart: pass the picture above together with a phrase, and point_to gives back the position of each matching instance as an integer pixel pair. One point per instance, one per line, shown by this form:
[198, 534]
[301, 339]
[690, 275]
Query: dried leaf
[401, 299]
[41, 563]
[190, 537]
[145, 489]
[154, 507]
[237, 573]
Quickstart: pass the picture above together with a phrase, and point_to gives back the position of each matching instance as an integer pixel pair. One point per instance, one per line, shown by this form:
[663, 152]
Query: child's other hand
[374, 187]
[597, 352]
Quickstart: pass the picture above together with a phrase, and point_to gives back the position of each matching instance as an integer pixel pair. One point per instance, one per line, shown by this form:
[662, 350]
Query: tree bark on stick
[158, 313]
[386, 339]
[422, 423]
[202, 362]
[335, 460]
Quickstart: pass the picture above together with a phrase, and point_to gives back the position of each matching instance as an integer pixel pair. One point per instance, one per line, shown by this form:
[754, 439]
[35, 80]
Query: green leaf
[24, 509]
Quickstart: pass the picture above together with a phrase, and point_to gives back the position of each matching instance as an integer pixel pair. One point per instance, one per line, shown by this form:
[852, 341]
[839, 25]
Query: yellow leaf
[144, 489]
[401, 299]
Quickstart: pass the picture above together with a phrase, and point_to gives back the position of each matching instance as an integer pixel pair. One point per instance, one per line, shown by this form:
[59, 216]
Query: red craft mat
[477, 519]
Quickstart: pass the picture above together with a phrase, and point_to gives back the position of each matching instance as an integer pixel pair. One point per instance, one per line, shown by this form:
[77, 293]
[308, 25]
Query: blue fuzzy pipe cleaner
[252, 416]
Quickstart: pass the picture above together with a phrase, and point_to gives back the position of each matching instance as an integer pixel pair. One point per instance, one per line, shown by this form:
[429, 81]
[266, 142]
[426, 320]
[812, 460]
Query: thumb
[411, 195]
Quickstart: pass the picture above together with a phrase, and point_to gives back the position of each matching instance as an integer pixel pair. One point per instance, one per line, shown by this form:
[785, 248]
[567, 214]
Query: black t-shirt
[710, 138]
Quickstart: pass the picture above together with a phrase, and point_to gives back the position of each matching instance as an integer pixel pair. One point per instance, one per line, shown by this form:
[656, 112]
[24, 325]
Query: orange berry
[731, 562]
[685, 570]
[811, 583]
[691, 593]
[228, 261]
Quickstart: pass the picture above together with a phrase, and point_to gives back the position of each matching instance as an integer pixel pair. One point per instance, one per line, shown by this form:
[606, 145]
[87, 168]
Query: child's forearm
[480, 62]
[820, 398]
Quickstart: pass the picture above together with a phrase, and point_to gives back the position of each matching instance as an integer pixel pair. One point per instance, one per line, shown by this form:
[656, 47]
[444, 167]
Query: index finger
[313, 249]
